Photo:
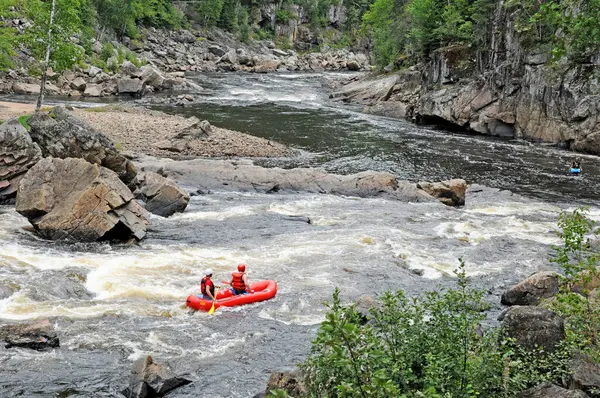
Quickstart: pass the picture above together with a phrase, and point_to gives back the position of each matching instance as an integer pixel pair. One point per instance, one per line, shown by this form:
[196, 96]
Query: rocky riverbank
[509, 91]
[167, 56]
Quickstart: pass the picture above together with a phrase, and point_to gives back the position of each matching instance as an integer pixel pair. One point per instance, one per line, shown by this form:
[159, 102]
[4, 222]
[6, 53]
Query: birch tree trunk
[47, 60]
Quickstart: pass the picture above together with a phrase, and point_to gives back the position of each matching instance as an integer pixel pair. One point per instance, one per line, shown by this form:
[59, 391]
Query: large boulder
[161, 195]
[547, 390]
[531, 291]
[152, 77]
[149, 379]
[451, 193]
[75, 200]
[533, 327]
[62, 135]
[39, 335]
[18, 153]
[78, 84]
[93, 90]
[133, 87]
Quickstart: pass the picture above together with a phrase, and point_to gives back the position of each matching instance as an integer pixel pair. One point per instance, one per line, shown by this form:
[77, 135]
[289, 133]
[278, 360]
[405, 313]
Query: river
[112, 304]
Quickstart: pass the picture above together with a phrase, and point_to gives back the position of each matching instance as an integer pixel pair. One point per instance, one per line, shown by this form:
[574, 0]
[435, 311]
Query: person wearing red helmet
[239, 281]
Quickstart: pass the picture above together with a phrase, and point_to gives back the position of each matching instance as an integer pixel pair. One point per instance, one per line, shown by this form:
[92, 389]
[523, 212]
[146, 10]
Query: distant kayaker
[207, 287]
[239, 281]
[575, 167]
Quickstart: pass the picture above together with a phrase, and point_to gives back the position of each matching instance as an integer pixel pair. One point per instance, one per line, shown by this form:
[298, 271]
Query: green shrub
[108, 50]
[429, 346]
[579, 260]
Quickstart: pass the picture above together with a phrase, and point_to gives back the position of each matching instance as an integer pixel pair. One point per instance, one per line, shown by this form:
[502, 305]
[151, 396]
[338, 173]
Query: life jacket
[237, 281]
[206, 281]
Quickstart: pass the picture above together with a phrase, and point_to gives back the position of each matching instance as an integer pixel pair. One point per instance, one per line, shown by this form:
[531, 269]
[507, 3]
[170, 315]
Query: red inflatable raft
[263, 290]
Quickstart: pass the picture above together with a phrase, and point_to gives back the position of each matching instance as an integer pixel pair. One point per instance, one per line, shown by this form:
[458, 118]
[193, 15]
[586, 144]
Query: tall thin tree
[47, 60]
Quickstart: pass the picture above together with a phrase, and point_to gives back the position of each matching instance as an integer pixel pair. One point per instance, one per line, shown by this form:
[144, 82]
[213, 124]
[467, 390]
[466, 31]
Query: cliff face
[507, 90]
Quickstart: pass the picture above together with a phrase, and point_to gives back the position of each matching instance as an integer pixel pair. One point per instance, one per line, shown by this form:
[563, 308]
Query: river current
[112, 304]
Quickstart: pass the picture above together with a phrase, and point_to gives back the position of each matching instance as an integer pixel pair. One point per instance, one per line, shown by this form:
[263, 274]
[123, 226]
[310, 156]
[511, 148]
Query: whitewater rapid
[113, 303]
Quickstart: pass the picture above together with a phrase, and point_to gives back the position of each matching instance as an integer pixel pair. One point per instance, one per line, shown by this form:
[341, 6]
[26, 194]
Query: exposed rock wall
[507, 90]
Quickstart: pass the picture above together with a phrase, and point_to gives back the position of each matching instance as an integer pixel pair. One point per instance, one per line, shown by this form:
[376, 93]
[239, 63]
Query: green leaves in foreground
[430, 346]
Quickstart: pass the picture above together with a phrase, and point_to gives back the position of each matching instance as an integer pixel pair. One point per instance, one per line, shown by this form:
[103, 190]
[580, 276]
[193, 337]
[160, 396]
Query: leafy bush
[577, 302]
[108, 50]
[430, 346]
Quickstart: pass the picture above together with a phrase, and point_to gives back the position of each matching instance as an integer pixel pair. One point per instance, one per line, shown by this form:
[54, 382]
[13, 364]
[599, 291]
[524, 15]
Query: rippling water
[114, 303]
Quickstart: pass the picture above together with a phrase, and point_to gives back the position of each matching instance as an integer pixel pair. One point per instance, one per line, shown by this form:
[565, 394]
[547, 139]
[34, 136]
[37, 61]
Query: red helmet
[242, 267]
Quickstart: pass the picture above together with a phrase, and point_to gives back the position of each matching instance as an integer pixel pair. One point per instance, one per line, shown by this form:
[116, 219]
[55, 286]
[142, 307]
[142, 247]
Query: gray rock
[24, 88]
[533, 327]
[216, 50]
[93, 90]
[280, 53]
[532, 290]
[161, 195]
[39, 335]
[547, 390]
[152, 77]
[353, 65]
[78, 84]
[18, 153]
[130, 69]
[94, 71]
[131, 86]
[451, 193]
[71, 199]
[149, 379]
[244, 176]
[585, 375]
[62, 135]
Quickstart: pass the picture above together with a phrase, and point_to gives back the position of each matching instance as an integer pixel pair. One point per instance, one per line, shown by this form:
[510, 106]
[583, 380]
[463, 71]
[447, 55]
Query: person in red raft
[207, 287]
[239, 281]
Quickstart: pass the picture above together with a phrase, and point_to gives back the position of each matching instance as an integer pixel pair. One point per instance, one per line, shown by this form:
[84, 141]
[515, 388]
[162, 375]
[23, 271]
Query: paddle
[212, 309]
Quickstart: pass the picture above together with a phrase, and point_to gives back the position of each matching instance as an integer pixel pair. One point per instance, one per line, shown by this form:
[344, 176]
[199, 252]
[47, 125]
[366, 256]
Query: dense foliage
[434, 346]
[414, 28]
[570, 27]
[77, 23]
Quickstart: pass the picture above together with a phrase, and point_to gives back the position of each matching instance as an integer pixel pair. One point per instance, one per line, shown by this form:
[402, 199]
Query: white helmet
[208, 271]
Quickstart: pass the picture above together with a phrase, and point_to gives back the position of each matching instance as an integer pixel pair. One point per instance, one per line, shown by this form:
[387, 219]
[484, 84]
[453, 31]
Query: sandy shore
[136, 129]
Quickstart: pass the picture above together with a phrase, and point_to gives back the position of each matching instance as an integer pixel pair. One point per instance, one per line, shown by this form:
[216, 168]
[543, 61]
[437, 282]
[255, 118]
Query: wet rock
[161, 195]
[367, 92]
[547, 390]
[585, 375]
[533, 327]
[62, 135]
[244, 176]
[39, 335]
[266, 66]
[149, 379]
[75, 200]
[133, 87]
[532, 290]
[451, 193]
[290, 381]
[18, 153]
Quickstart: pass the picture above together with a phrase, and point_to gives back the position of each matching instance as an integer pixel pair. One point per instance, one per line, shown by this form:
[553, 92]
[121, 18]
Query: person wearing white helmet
[207, 287]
